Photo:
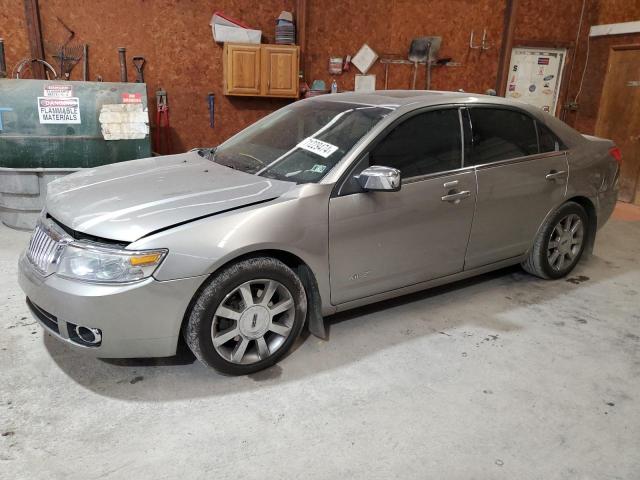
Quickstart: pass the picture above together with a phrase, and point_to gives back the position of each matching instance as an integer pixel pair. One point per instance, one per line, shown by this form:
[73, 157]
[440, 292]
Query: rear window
[501, 134]
[549, 141]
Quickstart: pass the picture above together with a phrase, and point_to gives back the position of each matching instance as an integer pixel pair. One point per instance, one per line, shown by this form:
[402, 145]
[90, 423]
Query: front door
[381, 241]
[619, 116]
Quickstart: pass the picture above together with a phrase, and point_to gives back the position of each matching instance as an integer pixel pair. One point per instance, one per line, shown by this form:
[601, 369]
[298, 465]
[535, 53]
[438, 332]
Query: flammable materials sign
[59, 110]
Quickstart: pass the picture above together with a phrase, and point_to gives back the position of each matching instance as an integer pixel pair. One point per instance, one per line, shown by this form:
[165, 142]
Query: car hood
[126, 201]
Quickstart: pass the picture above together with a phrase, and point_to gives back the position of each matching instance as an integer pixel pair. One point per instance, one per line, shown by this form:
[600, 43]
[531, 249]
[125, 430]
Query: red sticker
[131, 98]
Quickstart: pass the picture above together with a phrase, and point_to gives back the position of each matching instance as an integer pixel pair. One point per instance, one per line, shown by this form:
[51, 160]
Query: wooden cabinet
[242, 77]
[261, 70]
[280, 70]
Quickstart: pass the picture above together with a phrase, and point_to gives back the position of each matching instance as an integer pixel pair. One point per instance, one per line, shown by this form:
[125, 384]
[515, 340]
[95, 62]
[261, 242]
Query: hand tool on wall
[122, 53]
[138, 63]
[423, 49]
[211, 99]
[66, 53]
[162, 141]
[3, 63]
[418, 52]
[19, 70]
[68, 57]
[85, 62]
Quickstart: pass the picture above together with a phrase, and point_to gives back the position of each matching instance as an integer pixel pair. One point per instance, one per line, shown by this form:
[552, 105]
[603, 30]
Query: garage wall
[340, 28]
[602, 12]
[13, 30]
[183, 59]
[176, 39]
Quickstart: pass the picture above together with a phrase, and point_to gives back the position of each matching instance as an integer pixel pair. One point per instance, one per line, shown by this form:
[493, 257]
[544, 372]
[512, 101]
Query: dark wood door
[619, 115]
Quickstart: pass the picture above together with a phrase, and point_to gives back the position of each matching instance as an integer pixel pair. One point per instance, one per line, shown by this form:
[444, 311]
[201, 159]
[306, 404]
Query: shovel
[423, 49]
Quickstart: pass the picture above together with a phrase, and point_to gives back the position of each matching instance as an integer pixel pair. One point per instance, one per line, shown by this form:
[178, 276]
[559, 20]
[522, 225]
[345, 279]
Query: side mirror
[380, 179]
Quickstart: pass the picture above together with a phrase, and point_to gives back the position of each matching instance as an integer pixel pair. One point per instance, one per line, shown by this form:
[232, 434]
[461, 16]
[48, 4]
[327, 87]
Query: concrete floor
[501, 377]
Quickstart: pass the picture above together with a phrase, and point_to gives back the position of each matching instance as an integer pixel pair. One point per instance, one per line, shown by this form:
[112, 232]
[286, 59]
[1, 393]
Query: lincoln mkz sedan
[325, 205]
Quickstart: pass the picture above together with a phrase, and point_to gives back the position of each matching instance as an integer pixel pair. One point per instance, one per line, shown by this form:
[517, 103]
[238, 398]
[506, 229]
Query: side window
[549, 141]
[501, 134]
[426, 143]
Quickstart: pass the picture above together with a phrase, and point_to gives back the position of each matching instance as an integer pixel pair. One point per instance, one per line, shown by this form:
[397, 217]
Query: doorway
[619, 115]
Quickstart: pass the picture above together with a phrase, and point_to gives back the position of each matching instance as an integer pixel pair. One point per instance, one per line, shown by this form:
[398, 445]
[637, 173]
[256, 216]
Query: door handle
[553, 175]
[456, 196]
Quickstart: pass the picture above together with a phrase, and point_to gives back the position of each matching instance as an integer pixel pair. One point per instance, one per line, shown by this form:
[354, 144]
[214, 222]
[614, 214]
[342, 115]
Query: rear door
[381, 241]
[520, 180]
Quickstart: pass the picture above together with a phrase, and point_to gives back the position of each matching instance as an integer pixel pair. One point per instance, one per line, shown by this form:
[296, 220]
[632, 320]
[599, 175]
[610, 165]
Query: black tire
[197, 331]
[538, 261]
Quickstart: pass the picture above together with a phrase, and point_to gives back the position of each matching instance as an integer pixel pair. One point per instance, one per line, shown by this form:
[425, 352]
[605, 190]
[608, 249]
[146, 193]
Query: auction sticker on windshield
[318, 147]
[59, 110]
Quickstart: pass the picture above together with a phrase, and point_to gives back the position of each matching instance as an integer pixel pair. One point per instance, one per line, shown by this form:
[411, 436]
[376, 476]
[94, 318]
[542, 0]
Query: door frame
[635, 196]
[630, 46]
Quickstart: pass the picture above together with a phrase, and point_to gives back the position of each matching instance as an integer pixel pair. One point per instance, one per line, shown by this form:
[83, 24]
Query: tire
[556, 250]
[247, 316]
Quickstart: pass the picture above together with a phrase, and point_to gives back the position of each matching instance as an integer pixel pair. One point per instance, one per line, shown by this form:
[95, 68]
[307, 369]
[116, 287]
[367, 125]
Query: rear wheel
[247, 317]
[559, 244]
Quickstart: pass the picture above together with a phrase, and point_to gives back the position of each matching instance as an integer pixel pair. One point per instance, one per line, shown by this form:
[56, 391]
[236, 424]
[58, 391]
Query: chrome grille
[41, 249]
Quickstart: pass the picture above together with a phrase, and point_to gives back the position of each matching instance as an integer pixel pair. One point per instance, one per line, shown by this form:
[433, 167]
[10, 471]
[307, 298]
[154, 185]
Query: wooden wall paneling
[182, 57]
[13, 30]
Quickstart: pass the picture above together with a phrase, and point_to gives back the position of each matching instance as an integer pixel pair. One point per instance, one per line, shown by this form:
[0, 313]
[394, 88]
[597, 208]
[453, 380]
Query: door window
[426, 143]
[501, 134]
[549, 141]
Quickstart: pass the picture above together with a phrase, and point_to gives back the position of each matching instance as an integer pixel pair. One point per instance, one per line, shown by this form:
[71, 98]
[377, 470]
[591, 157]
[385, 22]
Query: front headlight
[98, 264]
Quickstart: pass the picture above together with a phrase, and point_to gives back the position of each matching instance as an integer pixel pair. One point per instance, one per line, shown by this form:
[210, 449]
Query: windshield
[301, 142]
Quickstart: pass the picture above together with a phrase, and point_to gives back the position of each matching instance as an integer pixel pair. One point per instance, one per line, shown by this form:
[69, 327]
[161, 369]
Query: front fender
[296, 224]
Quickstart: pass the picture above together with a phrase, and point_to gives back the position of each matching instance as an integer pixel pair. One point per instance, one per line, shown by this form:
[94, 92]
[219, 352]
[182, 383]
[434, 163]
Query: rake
[67, 55]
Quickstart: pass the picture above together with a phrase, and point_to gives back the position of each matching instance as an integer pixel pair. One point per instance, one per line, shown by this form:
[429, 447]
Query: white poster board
[535, 75]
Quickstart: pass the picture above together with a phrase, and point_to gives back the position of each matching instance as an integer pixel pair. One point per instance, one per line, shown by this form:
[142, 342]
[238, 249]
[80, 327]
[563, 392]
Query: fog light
[87, 336]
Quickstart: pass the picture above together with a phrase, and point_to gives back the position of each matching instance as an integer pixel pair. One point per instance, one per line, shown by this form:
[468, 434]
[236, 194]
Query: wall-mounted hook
[485, 45]
[471, 45]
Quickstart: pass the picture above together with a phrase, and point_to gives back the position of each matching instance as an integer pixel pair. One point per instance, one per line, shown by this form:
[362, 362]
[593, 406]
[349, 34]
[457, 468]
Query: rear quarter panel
[593, 173]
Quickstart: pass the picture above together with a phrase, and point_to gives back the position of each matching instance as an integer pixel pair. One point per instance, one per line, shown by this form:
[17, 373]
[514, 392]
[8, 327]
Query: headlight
[94, 263]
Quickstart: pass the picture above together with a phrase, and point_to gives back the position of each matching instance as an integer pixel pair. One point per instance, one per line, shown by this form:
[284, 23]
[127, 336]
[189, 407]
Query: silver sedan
[325, 205]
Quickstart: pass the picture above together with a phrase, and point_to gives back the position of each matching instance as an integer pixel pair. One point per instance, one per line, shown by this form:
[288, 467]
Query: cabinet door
[242, 73]
[280, 71]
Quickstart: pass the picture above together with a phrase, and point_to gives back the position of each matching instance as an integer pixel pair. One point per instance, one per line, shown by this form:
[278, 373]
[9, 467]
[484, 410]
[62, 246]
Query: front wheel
[559, 244]
[247, 317]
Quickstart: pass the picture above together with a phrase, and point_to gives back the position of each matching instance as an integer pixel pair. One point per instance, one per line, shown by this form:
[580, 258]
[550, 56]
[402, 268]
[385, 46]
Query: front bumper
[141, 319]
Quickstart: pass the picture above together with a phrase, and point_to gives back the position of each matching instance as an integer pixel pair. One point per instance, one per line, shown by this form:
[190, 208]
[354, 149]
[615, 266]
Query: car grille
[41, 250]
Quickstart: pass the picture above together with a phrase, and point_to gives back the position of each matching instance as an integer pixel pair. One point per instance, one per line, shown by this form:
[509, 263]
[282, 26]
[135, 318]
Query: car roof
[419, 98]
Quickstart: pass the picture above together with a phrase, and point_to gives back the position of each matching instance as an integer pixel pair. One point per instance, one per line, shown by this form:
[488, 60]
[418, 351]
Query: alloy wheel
[565, 242]
[253, 321]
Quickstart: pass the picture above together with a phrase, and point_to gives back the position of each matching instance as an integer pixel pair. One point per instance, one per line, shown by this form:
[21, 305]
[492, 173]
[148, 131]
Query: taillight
[616, 153]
